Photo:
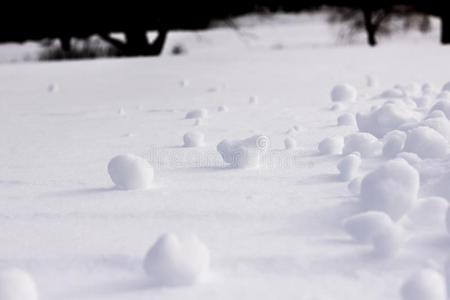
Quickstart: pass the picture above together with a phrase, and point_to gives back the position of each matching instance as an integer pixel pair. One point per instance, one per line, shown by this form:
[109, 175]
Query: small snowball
[244, 154]
[355, 186]
[364, 226]
[362, 142]
[392, 188]
[347, 119]
[343, 92]
[394, 143]
[222, 108]
[185, 83]
[130, 172]
[348, 167]
[16, 284]
[253, 100]
[53, 88]
[331, 145]
[444, 106]
[387, 243]
[425, 285]
[197, 114]
[446, 87]
[194, 139]
[429, 212]
[290, 143]
[176, 260]
[337, 107]
[427, 143]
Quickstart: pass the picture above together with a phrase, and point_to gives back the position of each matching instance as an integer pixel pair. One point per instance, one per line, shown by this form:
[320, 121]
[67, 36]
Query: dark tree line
[81, 20]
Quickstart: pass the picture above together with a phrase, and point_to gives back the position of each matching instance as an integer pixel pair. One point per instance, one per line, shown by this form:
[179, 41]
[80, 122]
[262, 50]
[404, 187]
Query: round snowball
[362, 142]
[245, 158]
[446, 87]
[343, 92]
[290, 143]
[347, 119]
[387, 243]
[348, 167]
[332, 145]
[130, 172]
[194, 139]
[425, 285]
[16, 284]
[364, 226]
[427, 143]
[177, 260]
[197, 114]
[394, 143]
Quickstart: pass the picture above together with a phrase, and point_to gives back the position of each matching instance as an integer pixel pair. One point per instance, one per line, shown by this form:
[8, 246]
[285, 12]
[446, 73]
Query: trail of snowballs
[404, 135]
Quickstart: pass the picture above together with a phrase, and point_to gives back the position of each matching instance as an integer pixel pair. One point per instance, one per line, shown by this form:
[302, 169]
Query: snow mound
[331, 145]
[388, 117]
[244, 154]
[177, 260]
[429, 212]
[425, 285]
[392, 188]
[364, 226]
[130, 172]
[354, 186]
[394, 142]
[223, 108]
[444, 106]
[16, 284]
[348, 167]
[290, 143]
[427, 143]
[347, 119]
[194, 139]
[387, 243]
[362, 142]
[343, 92]
[197, 114]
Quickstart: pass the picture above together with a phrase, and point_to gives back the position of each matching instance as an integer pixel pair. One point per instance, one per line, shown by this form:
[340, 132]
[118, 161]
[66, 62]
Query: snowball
[348, 167]
[346, 119]
[364, 226]
[197, 114]
[425, 285]
[362, 142]
[245, 153]
[394, 143]
[441, 125]
[387, 243]
[436, 114]
[444, 106]
[343, 92]
[384, 119]
[177, 260]
[185, 83]
[354, 186]
[53, 88]
[222, 108]
[446, 87]
[130, 172]
[194, 139]
[422, 102]
[392, 188]
[253, 100]
[290, 143]
[332, 145]
[17, 285]
[427, 143]
[429, 212]
[411, 158]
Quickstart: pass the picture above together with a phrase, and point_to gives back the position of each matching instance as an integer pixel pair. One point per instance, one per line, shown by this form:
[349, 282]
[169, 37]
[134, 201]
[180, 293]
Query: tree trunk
[136, 42]
[370, 27]
[445, 29]
[65, 43]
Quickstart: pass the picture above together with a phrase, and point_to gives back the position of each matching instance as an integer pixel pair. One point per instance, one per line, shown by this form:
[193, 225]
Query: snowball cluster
[130, 172]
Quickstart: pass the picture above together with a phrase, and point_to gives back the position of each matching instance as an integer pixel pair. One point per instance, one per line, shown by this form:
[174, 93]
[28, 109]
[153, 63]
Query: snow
[426, 143]
[16, 284]
[349, 166]
[364, 226]
[197, 114]
[387, 243]
[347, 119]
[244, 154]
[394, 143]
[177, 260]
[290, 143]
[430, 212]
[442, 105]
[223, 108]
[194, 139]
[364, 143]
[426, 284]
[343, 93]
[391, 188]
[130, 172]
[331, 145]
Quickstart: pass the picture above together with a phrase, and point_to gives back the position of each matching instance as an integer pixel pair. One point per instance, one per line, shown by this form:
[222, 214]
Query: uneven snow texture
[427, 143]
[130, 172]
[364, 143]
[177, 260]
[16, 284]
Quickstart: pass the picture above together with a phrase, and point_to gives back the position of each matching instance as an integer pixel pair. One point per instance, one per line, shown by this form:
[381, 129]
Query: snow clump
[362, 142]
[429, 212]
[347, 119]
[343, 92]
[197, 114]
[348, 167]
[331, 145]
[16, 284]
[244, 154]
[290, 143]
[364, 226]
[194, 139]
[130, 172]
[425, 285]
[427, 143]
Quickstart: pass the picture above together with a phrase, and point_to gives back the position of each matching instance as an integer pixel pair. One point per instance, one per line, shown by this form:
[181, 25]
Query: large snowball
[343, 92]
[364, 226]
[394, 142]
[427, 143]
[194, 139]
[425, 285]
[177, 260]
[392, 188]
[331, 145]
[197, 114]
[362, 142]
[348, 167]
[17, 285]
[130, 172]
[244, 154]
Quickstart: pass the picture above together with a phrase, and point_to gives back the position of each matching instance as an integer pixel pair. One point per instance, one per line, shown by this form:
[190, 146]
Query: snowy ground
[273, 233]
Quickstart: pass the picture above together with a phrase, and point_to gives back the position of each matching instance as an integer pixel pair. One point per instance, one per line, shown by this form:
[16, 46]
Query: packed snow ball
[347, 119]
[16, 284]
[348, 167]
[387, 243]
[343, 93]
[194, 139]
[394, 142]
[331, 145]
[176, 260]
[426, 143]
[424, 285]
[197, 114]
[429, 212]
[444, 106]
[364, 226]
[130, 172]
[392, 188]
[366, 144]
[246, 153]
[290, 143]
